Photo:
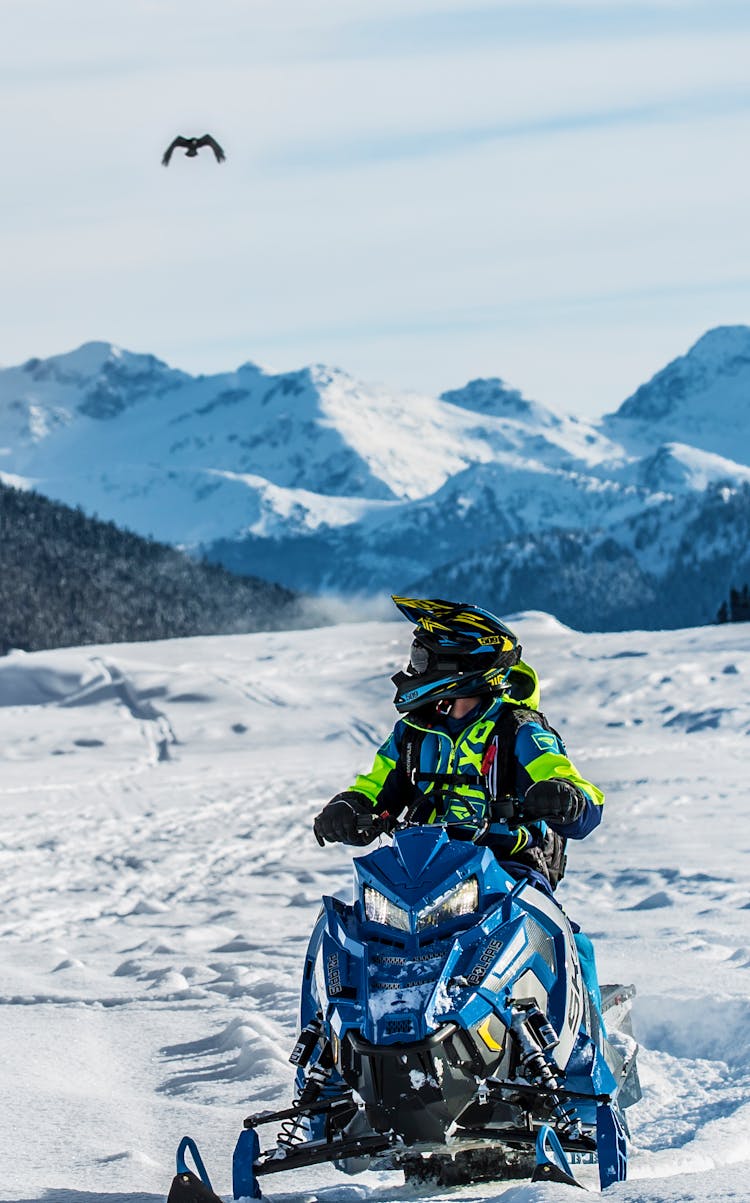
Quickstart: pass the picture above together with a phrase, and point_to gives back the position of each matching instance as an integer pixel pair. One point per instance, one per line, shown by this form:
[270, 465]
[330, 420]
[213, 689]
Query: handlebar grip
[371, 823]
[508, 807]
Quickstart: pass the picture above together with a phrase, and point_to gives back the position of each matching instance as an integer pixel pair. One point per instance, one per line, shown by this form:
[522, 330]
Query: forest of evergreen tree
[67, 579]
[737, 609]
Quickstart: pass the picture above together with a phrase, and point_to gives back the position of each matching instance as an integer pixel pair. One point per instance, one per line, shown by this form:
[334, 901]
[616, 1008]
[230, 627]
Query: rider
[470, 738]
[471, 733]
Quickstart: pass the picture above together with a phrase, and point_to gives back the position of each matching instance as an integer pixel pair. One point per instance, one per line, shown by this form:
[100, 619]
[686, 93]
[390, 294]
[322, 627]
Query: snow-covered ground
[159, 878]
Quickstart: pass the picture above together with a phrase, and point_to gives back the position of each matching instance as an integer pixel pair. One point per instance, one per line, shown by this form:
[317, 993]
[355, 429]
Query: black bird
[193, 145]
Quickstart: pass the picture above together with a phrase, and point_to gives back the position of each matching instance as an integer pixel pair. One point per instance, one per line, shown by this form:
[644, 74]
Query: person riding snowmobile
[472, 735]
[442, 1024]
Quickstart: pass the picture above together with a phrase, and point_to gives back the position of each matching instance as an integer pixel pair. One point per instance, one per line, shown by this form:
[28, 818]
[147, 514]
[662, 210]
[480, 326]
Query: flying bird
[193, 146]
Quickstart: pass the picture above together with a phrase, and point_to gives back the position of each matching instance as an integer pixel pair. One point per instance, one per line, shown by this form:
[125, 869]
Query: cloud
[343, 152]
[451, 28]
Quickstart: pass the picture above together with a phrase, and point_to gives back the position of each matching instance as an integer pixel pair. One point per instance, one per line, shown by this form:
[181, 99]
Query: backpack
[550, 859]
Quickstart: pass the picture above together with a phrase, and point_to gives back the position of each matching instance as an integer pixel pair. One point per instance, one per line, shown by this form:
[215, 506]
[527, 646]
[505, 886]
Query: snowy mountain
[317, 430]
[160, 880]
[700, 399]
[668, 565]
[319, 482]
[393, 543]
[97, 381]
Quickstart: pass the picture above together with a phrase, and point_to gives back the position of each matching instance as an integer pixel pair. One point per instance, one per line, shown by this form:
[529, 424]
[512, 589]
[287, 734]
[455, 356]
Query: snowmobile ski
[551, 1163]
[187, 1186]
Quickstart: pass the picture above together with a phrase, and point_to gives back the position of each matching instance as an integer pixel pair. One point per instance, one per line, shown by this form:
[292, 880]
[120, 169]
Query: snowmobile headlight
[463, 899]
[380, 909]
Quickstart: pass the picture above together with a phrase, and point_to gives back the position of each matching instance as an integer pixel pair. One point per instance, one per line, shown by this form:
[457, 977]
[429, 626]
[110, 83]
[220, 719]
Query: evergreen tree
[67, 579]
[738, 609]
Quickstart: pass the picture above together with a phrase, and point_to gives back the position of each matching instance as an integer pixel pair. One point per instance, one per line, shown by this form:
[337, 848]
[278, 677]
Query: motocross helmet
[458, 651]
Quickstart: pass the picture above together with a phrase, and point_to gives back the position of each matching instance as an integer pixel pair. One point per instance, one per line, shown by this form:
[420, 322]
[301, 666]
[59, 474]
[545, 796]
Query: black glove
[557, 800]
[337, 821]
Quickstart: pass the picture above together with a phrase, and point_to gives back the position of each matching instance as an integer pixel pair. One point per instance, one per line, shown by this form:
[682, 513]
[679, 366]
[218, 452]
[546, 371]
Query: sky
[420, 192]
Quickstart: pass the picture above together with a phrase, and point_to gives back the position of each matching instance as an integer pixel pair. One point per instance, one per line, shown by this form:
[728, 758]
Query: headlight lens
[380, 909]
[463, 899]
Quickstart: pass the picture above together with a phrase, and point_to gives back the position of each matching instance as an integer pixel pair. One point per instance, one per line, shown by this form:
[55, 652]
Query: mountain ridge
[324, 483]
[699, 398]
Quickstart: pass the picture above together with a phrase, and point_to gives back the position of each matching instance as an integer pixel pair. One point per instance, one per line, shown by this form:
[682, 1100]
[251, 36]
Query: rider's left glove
[556, 800]
[339, 822]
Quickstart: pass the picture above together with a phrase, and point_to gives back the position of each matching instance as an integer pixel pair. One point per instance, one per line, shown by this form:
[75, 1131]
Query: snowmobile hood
[425, 864]
[523, 687]
[416, 853]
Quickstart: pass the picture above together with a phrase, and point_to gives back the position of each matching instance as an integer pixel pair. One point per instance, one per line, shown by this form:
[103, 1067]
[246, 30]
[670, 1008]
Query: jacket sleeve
[386, 786]
[541, 755]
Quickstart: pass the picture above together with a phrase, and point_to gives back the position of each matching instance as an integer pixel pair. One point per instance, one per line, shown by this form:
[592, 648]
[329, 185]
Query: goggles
[423, 660]
[500, 653]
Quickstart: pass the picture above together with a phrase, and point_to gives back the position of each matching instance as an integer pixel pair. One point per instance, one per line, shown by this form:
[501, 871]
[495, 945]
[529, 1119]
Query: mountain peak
[491, 396]
[685, 386]
[97, 379]
[721, 347]
[86, 360]
[92, 359]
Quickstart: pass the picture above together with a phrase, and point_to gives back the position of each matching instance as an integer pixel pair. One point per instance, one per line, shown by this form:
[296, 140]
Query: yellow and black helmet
[459, 650]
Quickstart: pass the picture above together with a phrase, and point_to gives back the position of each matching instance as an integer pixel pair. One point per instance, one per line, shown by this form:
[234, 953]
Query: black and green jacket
[450, 769]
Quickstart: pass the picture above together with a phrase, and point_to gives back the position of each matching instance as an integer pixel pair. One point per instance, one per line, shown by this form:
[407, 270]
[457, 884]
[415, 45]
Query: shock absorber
[537, 1038]
[306, 1041]
[317, 1076]
[290, 1135]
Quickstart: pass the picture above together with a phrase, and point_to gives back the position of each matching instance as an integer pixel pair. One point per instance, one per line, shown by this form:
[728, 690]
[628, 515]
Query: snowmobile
[445, 1030]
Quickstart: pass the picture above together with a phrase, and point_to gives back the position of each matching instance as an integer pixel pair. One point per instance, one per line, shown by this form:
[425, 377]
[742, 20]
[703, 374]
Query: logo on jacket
[547, 743]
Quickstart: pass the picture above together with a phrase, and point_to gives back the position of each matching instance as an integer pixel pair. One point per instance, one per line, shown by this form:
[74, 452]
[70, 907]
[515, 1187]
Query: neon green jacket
[457, 749]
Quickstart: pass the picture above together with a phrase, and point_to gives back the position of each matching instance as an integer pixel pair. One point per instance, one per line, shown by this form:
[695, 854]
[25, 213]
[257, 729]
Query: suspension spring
[290, 1134]
[539, 1069]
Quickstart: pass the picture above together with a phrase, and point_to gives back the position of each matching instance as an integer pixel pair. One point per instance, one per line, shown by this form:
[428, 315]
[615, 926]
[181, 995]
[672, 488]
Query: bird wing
[178, 141]
[207, 140]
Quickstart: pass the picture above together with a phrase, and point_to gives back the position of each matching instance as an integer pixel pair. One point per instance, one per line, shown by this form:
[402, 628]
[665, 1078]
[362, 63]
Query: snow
[324, 483]
[676, 466]
[159, 879]
[13, 481]
[193, 459]
[283, 511]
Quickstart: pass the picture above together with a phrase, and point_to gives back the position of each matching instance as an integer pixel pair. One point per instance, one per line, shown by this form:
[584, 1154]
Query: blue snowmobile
[446, 1031]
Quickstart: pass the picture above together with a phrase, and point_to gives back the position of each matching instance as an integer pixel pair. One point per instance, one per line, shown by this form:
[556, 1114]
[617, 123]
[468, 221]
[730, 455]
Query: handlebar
[508, 807]
[377, 824]
[505, 810]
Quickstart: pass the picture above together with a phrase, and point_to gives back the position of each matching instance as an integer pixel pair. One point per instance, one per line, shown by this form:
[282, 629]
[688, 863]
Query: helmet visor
[420, 659]
[423, 661]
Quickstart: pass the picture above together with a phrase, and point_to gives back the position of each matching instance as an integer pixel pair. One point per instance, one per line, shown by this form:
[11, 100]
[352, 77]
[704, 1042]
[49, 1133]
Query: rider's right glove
[337, 822]
[555, 799]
